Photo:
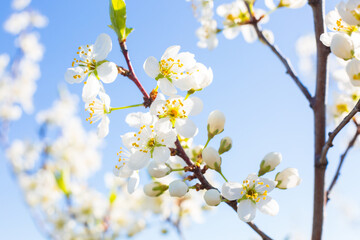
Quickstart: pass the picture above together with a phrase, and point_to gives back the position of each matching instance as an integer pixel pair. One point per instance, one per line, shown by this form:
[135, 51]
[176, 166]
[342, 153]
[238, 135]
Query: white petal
[107, 72]
[91, 88]
[102, 47]
[103, 127]
[136, 120]
[185, 127]
[231, 33]
[246, 210]
[170, 52]
[197, 106]
[270, 4]
[106, 100]
[249, 33]
[139, 160]
[167, 87]
[232, 190]
[133, 182]
[71, 72]
[268, 185]
[152, 67]
[157, 106]
[268, 206]
[123, 172]
[128, 139]
[161, 154]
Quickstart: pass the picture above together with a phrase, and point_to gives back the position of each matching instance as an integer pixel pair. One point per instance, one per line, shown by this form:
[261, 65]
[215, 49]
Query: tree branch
[319, 119]
[342, 158]
[197, 172]
[130, 73]
[334, 133]
[253, 21]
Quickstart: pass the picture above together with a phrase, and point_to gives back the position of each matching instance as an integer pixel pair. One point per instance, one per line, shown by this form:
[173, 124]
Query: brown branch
[253, 21]
[334, 133]
[342, 158]
[206, 185]
[319, 120]
[131, 74]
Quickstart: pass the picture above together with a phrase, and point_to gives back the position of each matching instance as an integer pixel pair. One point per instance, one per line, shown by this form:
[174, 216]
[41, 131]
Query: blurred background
[264, 112]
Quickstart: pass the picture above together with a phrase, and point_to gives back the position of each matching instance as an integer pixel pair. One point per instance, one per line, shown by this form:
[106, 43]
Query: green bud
[225, 145]
[118, 19]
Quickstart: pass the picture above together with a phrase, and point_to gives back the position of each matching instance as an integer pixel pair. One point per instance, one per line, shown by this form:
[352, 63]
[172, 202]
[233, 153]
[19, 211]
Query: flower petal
[185, 127]
[152, 67]
[133, 182]
[128, 139]
[71, 72]
[268, 206]
[232, 190]
[170, 52]
[246, 210]
[197, 106]
[107, 72]
[161, 154]
[103, 127]
[91, 88]
[102, 47]
[139, 160]
[167, 87]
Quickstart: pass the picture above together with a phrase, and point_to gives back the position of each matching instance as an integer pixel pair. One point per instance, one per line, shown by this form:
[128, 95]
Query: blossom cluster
[18, 75]
[235, 20]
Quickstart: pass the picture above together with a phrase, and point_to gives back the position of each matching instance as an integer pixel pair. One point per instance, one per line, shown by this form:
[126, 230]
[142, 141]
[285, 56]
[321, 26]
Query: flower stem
[223, 176]
[130, 106]
[207, 142]
[177, 169]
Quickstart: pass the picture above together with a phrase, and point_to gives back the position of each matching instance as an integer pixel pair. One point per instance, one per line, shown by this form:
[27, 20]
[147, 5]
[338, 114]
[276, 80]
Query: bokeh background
[265, 112]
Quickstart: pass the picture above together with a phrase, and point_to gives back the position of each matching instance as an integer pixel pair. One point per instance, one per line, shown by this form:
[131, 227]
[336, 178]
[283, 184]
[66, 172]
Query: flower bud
[212, 197]
[211, 157]
[158, 170]
[342, 46]
[178, 188]
[216, 122]
[154, 189]
[269, 163]
[225, 145]
[353, 71]
[288, 178]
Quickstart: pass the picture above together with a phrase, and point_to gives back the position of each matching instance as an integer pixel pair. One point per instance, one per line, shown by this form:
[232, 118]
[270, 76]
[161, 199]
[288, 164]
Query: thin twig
[254, 22]
[334, 133]
[342, 158]
[131, 74]
[197, 172]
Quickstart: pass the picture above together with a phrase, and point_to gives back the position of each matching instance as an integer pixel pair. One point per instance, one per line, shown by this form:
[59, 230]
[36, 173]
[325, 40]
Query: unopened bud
[154, 189]
[212, 158]
[269, 163]
[216, 122]
[178, 188]
[225, 145]
[158, 170]
[288, 178]
[212, 197]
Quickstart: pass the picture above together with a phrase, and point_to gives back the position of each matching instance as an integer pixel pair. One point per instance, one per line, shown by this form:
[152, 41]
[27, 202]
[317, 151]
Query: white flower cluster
[344, 42]
[236, 19]
[53, 174]
[18, 75]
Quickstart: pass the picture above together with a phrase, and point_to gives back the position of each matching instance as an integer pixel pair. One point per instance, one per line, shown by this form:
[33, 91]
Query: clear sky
[264, 109]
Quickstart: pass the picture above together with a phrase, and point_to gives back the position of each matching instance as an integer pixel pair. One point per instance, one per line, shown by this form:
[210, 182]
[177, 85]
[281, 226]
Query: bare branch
[206, 185]
[333, 134]
[276, 51]
[131, 74]
[342, 158]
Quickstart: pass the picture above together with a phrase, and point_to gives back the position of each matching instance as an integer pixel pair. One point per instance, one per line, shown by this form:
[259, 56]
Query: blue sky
[264, 109]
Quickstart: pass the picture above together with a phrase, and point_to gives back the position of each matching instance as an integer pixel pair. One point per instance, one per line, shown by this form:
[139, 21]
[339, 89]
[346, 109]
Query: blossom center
[96, 111]
[250, 192]
[341, 28]
[85, 61]
[342, 108]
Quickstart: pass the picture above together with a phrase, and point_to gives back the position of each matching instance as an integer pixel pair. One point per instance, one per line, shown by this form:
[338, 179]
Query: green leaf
[118, 19]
